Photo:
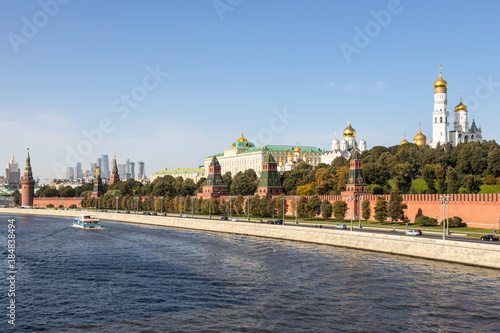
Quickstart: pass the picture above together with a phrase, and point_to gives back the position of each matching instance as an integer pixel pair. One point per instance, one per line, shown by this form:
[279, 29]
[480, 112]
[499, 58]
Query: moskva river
[131, 278]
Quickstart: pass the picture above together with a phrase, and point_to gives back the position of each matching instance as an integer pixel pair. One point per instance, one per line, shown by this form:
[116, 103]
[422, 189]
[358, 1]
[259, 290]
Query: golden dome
[281, 160]
[290, 155]
[440, 85]
[297, 149]
[404, 140]
[242, 139]
[420, 139]
[349, 132]
[461, 106]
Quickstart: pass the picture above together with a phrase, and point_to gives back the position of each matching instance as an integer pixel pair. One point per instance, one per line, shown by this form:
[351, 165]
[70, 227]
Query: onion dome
[404, 140]
[290, 155]
[297, 149]
[362, 142]
[281, 160]
[349, 132]
[335, 140]
[461, 106]
[420, 139]
[242, 139]
[343, 142]
[440, 85]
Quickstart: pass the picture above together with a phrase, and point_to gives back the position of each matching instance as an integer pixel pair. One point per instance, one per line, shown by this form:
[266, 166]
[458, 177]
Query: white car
[341, 226]
[234, 219]
[413, 233]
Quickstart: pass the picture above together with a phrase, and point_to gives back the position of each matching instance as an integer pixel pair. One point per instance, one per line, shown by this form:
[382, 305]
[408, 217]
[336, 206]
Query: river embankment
[469, 253]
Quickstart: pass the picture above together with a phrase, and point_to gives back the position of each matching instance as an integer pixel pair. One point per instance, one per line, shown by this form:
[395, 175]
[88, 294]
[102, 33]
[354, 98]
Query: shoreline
[474, 254]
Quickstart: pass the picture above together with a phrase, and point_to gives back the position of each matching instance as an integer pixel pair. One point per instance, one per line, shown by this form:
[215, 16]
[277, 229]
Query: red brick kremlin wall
[477, 210]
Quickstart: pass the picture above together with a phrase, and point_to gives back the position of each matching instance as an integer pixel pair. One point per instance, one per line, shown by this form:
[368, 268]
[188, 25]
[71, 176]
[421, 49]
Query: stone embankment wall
[478, 254]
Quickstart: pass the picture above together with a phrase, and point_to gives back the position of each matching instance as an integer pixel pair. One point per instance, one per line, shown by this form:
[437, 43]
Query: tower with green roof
[214, 185]
[356, 185]
[269, 184]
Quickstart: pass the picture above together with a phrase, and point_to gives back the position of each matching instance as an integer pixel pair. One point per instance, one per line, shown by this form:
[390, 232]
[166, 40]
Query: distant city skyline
[170, 83]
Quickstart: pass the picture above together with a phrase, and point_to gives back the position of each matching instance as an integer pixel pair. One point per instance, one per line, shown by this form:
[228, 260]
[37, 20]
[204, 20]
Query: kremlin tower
[115, 177]
[27, 184]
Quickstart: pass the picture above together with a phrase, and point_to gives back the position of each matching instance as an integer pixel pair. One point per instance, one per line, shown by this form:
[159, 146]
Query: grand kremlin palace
[243, 155]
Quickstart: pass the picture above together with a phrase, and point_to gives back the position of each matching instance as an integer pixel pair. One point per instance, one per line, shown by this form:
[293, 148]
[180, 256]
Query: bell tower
[440, 116]
[27, 184]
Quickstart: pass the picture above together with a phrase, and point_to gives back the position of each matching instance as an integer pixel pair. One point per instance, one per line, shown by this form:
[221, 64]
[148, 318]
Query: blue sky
[275, 68]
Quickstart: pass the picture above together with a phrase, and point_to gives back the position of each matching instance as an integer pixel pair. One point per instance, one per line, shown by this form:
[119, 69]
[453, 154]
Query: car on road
[154, 214]
[224, 218]
[341, 226]
[164, 214]
[234, 219]
[270, 222]
[413, 233]
[490, 238]
[184, 215]
[259, 220]
[278, 222]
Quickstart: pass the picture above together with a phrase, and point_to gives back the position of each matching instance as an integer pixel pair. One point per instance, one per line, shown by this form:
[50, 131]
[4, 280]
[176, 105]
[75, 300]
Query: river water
[134, 278]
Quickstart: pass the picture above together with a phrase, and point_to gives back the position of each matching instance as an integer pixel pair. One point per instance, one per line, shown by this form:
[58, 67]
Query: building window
[441, 119]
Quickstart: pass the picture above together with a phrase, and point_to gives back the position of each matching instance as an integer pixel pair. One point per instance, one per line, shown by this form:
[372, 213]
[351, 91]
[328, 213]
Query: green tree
[440, 173]
[429, 177]
[396, 206]
[301, 206]
[493, 161]
[279, 205]
[228, 179]
[326, 209]
[264, 207]
[381, 209]
[339, 209]
[255, 205]
[313, 206]
[452, 181]
[366, 211]
[472, 183]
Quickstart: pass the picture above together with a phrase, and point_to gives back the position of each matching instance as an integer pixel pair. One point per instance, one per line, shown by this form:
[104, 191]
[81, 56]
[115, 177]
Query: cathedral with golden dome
[441, 133]
[345, 147]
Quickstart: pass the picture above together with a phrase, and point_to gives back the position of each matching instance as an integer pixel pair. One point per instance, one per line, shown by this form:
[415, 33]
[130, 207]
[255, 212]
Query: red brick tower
[269, 184]
[214, 185]
[27, 184]
[356, 184]
[115, 177]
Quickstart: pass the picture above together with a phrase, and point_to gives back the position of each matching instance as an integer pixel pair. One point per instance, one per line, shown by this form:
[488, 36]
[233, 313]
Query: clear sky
[171, 82]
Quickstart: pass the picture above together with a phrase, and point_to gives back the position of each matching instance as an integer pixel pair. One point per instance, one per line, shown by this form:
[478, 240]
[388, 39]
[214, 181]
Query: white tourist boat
[87, 222]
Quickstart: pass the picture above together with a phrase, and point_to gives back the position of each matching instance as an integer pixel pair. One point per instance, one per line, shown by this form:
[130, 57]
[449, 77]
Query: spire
[460, 97]
[27, 168]
[115, 167]
[440, 72]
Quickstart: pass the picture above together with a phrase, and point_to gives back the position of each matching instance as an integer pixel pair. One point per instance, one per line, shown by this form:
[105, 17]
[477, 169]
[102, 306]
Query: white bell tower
[440, 116]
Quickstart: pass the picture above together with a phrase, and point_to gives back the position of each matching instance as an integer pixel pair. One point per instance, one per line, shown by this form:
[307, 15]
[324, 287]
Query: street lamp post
[296, 220]
[248, 209]
[155, 204]
[161, 205]
[180, 206]
[192, 210]
[136, 204]
[444, 201]
[359, 198]
[230, 198]
[352, 199]
[283, 198]
[210, 208]
[117, 203]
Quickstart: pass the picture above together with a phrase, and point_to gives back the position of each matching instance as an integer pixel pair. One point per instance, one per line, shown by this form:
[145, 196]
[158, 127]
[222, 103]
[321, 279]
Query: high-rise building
[92, 168]
[13, 174]
[78, 171]
[141, 172]
[99, 164]
[132, 170]
[105, 173]
[122, 171]
[70, 172]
